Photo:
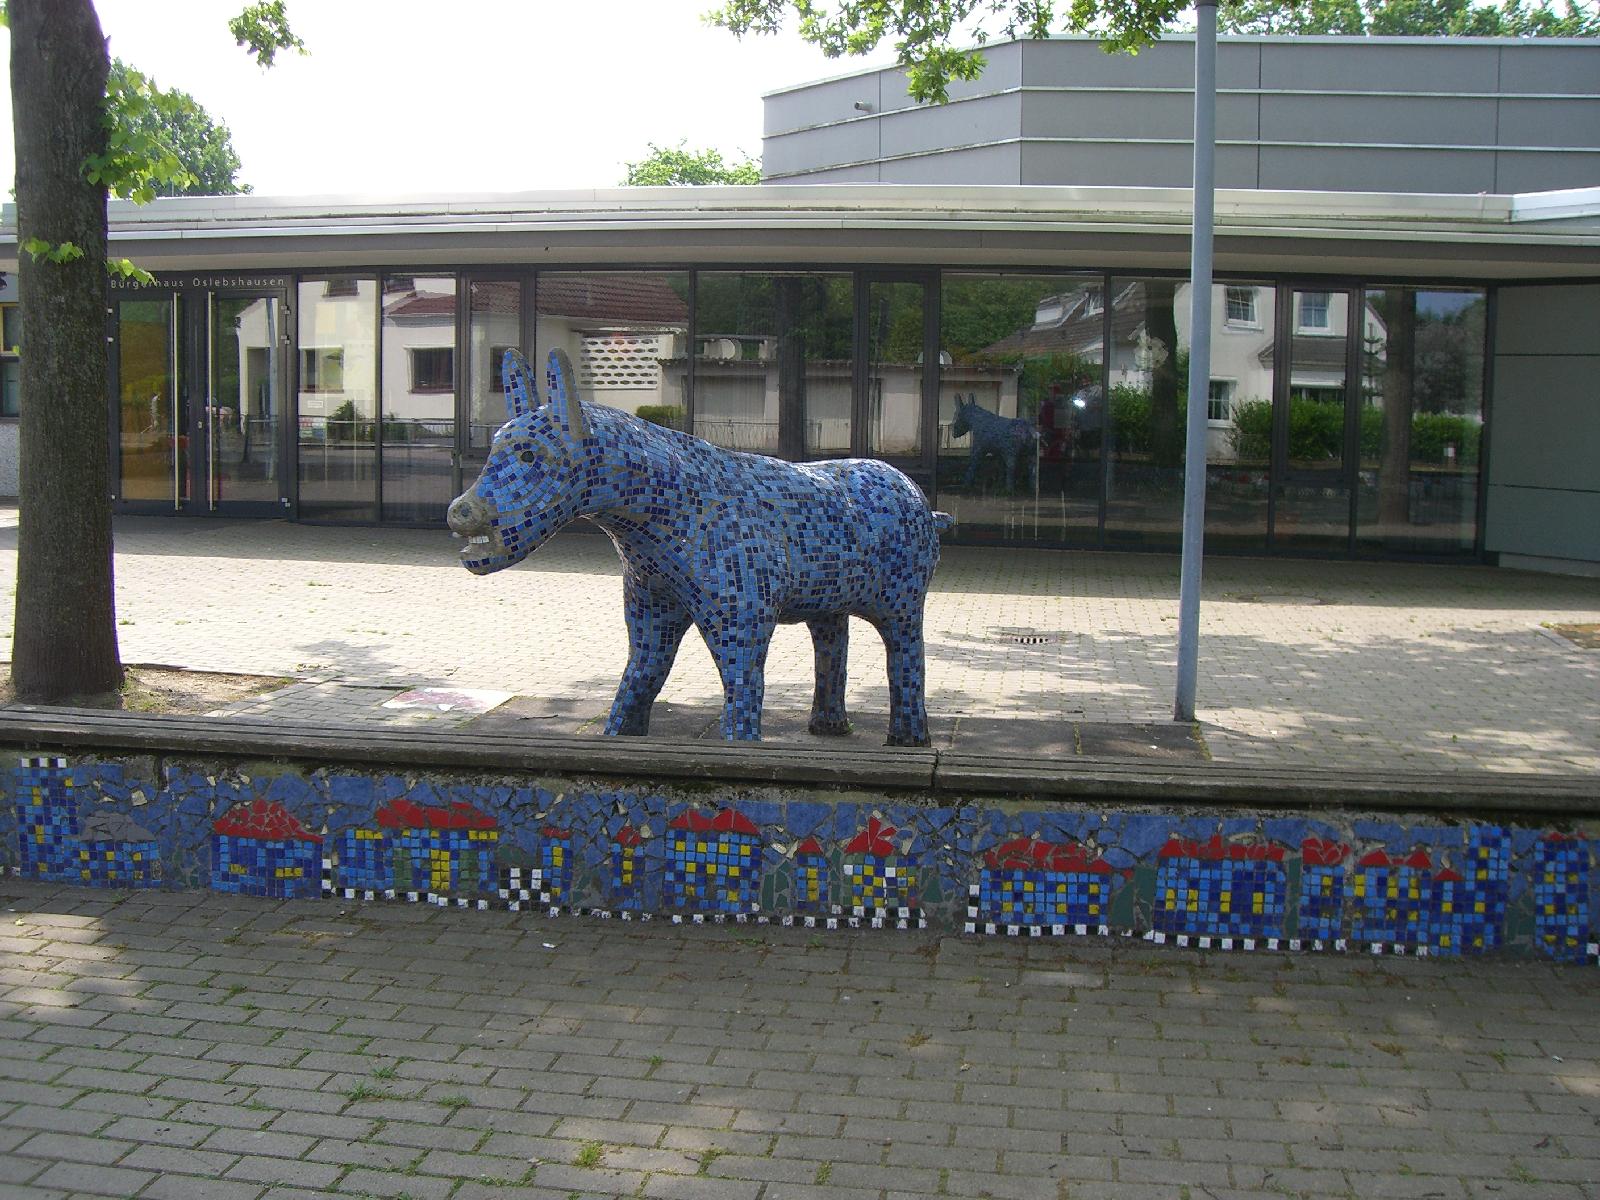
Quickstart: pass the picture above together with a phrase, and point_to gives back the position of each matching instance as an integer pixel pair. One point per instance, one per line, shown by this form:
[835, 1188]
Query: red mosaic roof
[1217, 850]
[728, 820]
[1447, 876]
[263, 819]
[1030, 854]
[873, 840]
[555, 831]
[1321, 852]
[1376, 858]
[403, 814]
[809, 846]
[627, 836]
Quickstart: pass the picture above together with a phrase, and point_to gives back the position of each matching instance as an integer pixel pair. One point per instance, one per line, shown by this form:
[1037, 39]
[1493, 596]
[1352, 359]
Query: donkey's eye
[528, 456]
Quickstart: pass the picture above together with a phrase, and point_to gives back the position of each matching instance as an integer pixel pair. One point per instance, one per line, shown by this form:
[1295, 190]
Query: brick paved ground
[193, 1045]
[1320, 663]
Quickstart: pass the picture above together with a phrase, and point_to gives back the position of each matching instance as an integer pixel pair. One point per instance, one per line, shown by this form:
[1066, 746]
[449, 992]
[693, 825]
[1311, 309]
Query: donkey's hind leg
[830, 639]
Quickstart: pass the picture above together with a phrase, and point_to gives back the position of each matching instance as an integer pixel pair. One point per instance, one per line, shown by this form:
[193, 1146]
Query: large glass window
[1238, 415]
[419, 396]
[1021, 411]
[773, 361]
[494, 325]
[152, 422]
[1145, 416]
[1421, 420]
[896, 315]
[338, 410]
[626, 334]
[1312, 503]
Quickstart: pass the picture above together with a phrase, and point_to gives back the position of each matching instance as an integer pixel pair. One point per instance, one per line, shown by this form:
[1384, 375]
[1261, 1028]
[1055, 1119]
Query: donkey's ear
[564, 400]
[518, 377]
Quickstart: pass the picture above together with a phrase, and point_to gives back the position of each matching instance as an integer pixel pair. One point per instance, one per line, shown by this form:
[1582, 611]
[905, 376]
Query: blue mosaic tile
[1562, 904]
[1218, 889]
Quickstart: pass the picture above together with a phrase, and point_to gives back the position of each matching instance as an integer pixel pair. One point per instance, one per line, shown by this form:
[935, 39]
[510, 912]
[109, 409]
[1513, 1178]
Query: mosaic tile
[729, 543]
[1219, 889]
[1561, 898]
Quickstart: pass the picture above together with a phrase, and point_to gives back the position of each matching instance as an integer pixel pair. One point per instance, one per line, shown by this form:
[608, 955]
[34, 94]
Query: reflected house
[619, 330]
[259, 848]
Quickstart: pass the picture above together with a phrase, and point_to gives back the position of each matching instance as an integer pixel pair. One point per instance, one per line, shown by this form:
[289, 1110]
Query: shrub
[669, 416]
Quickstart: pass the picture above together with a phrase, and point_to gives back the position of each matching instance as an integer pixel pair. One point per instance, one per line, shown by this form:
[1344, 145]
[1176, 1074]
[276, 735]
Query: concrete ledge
[939, 773]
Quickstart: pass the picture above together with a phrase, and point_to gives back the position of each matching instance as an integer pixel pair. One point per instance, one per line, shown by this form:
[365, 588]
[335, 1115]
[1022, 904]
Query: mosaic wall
[1375, 884]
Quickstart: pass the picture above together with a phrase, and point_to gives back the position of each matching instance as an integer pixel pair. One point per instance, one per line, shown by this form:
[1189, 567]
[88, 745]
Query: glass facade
[418, 429]
[338, 407]
[1043, 408]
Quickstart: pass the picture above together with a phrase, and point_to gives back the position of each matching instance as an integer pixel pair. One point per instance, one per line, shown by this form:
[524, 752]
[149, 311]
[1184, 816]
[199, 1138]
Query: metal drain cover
[1026, 637]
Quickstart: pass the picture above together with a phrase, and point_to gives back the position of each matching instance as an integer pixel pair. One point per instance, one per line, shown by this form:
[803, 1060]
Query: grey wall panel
[1546, 422]
[1072, 63]
[1413, 120]
[1340, 169]
[1548, 320]
[1448, 65]
[991, 119]
[1546, 66]
[832, 100]
[1542, 522]
[1535, 171]
[1550, 122]
[1132, 164]
[829, 145]
[1132, 116]
[988, 164]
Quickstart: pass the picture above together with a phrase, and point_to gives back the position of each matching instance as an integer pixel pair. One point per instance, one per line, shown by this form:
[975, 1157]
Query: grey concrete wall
[1544, 454]
[1341, 114]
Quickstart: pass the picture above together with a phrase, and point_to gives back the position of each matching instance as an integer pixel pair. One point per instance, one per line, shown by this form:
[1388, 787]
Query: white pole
[1194, 454]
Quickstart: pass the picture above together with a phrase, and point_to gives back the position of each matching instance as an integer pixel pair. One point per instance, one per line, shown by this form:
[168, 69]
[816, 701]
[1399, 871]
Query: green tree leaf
[263, 30]
[673, 166]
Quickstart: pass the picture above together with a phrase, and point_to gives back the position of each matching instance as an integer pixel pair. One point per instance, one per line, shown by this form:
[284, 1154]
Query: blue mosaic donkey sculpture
[993, 434]
[731, 543]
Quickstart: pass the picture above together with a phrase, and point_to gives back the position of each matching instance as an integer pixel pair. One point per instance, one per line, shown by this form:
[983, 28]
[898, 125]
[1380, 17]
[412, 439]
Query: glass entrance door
[898, 396]
[1313, 429]
[152, 416]
[239, 428]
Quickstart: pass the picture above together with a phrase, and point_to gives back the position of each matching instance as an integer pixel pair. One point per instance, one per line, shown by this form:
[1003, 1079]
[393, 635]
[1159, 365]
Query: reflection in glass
[494, 325]
[1020, 383]
[337, 402]
[1238, 412]
[1313, 501]
[894, 368]
[1144, 421]
[772, 362]
[242, 418]
[153, 438]
[419, 397]
[626, 334]
[1421, 420]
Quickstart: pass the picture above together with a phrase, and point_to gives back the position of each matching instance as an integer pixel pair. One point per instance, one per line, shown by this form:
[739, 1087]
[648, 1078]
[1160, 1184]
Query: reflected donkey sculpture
[731, 543]
[1005, 437]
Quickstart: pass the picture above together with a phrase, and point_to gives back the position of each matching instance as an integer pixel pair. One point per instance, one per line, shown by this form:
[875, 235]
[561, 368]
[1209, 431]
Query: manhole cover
[1585, 637]
[1026, 637]
[1299, 598]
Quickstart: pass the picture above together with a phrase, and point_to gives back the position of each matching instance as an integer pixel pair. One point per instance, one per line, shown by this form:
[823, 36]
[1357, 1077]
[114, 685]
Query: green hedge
[1316, 432]
[669, 415]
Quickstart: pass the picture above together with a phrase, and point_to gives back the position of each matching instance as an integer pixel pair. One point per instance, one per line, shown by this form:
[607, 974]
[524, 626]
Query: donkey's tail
[942, 521]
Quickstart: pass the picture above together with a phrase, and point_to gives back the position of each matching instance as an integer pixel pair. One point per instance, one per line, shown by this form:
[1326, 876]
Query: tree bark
[65, 636]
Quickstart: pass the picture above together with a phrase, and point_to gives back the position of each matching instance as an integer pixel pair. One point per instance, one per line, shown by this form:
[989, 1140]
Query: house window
[322, 370]
[433, 369]
[1241, 306]
[1314, 310]
[1219, 403]
[10, 365]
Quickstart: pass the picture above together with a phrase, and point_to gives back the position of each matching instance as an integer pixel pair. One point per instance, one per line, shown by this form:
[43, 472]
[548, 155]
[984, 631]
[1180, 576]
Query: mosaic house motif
[1223, 881]
[713, 532]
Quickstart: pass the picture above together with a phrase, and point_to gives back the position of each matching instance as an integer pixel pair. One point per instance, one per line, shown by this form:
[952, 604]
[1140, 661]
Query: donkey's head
[962, 425]
[531, 483]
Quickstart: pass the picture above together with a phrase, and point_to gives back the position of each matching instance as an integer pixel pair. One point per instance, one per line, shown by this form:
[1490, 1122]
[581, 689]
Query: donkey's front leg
[830, 639]
[655, 627]
[738, 642]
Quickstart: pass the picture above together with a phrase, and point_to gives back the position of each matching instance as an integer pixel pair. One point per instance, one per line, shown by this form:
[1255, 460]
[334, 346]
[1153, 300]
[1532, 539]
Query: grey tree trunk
[65, 628]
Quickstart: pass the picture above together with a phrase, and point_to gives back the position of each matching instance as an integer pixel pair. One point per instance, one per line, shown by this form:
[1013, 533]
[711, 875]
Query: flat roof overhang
[1542, 236]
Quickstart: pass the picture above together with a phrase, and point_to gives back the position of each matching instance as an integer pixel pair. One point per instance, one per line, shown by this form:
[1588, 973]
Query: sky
[421, 97]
